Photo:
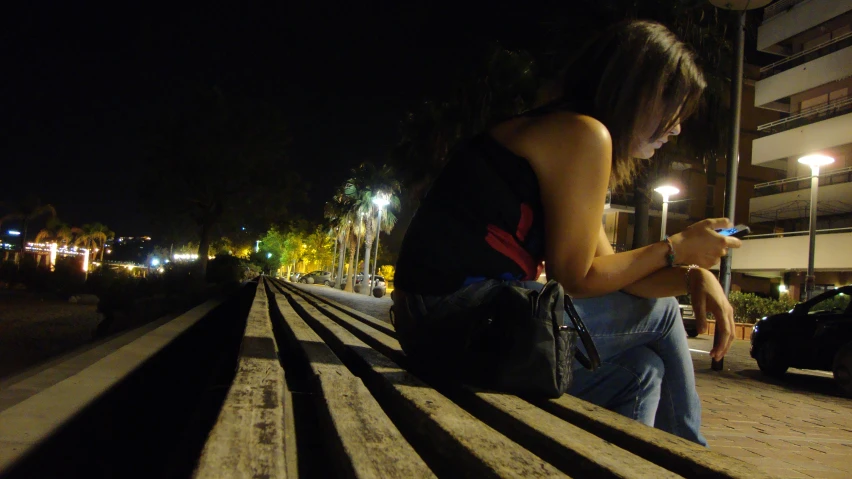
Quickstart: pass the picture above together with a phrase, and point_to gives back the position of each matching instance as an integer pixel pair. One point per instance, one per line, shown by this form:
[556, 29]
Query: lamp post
[814, 161]
[381, 201]
[666, 191]
[740, 7]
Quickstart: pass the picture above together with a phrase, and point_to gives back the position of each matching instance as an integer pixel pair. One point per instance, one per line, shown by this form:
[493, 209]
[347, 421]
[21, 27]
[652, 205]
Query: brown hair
[632, 73]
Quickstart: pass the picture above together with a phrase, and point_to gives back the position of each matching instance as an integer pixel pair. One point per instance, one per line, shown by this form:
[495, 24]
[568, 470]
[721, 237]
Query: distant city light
[14, 233]
[161, 270]
[244, 228]
[155, 261]
[268, 255]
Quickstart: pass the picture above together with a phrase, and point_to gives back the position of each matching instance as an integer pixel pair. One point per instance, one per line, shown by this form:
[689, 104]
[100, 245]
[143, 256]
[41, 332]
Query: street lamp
[666, 191]
[740, 7]
[381, 201]
[814, 161]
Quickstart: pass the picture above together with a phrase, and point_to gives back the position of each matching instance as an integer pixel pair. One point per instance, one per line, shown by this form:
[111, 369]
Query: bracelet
[670, 257]
[686, 275]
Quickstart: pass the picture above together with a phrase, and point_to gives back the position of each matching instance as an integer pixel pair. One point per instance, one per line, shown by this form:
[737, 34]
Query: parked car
[317, 277]
[815, 334]
[296, 276]
[687, 315]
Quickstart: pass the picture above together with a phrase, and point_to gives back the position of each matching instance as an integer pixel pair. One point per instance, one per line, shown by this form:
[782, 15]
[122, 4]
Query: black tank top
[481, 219]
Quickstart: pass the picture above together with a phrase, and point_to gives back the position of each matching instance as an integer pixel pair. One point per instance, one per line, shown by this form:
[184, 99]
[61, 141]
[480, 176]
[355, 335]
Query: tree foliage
[219, 164]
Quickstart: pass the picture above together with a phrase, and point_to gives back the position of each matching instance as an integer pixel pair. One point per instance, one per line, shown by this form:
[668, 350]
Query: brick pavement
[799, 427]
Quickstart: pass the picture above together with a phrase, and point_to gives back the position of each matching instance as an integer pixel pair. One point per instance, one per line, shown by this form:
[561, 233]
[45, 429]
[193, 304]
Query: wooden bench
[322, 390]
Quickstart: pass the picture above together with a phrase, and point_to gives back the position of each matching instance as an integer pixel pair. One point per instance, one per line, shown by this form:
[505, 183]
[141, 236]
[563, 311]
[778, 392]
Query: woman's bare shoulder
[553, 137]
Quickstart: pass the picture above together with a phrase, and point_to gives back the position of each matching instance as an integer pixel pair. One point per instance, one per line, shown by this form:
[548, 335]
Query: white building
[810, 85]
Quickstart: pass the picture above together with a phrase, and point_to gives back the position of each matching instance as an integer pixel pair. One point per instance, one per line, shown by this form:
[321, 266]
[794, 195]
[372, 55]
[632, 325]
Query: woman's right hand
[700, 244]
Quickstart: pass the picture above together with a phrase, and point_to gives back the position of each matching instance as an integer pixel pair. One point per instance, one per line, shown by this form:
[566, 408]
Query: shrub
[749, 307]
[68, 278]
[387, 272]
[224, 269]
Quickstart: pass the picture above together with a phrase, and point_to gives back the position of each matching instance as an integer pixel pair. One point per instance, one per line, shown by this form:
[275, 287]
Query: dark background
[81, 84]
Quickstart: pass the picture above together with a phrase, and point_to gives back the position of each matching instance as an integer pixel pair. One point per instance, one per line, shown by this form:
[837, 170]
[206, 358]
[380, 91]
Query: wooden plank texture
[366, 442]
[458, 438]
[248, 438]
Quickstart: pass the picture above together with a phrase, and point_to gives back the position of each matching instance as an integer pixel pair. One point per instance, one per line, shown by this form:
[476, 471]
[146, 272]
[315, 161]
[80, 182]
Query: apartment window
[816, 101]
[816, 41]
[841, 31]
[838, 94]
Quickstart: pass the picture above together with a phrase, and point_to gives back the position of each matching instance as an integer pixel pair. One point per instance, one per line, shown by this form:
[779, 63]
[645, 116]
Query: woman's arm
[572, 156]
[659, 284]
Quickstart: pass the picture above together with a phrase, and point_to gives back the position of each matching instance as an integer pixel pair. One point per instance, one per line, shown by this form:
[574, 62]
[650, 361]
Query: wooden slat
[456, 437]
[365, 440]
[675, 453]
[329, 304]
[248, 439]
[565, 445]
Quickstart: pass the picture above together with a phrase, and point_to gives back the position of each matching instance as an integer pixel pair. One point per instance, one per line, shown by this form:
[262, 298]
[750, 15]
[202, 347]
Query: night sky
[80, 85]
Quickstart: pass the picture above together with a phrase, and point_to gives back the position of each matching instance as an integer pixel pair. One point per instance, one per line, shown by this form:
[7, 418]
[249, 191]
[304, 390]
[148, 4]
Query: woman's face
[645, 148]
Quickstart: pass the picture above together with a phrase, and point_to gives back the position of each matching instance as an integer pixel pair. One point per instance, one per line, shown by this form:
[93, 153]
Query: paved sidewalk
[796, 428]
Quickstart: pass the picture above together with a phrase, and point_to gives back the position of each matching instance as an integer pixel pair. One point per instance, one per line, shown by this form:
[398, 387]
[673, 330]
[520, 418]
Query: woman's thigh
[619, 321]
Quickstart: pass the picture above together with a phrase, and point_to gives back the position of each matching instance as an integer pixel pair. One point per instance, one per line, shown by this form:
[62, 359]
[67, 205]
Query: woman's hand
[700, 244]
[708, 297]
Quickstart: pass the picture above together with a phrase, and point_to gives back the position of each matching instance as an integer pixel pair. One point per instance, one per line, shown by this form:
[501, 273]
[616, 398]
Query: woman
[532, 189]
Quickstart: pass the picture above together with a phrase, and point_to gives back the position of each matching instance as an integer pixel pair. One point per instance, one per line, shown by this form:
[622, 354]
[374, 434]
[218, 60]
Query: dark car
[687, 315]
[815, 334]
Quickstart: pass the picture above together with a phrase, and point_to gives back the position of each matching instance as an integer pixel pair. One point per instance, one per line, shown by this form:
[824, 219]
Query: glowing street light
[14, 233]
[666, 191]
[381, 200]
[814, 161]
[257, 246]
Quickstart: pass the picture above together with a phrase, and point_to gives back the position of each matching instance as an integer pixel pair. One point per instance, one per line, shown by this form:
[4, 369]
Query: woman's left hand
[708, 297]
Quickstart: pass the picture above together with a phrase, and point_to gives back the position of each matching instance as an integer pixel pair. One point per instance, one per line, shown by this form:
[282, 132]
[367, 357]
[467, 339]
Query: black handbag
[521, 345]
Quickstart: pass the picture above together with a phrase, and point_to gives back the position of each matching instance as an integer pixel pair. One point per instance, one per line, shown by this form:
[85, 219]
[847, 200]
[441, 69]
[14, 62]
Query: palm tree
[56, 231]
[92, 235]
[110, 236]
[339, 212]
[367, 184]
[26, 211]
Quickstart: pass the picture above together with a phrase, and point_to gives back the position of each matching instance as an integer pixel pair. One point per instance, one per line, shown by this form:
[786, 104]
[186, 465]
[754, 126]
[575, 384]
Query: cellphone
[737, 231]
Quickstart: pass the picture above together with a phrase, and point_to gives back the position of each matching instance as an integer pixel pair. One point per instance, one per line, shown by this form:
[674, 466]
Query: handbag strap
[593, 362]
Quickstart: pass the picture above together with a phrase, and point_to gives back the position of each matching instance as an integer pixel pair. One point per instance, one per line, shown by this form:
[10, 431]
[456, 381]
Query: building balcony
[790, 198]
[823, 49]
[817, 129]
[789, 252]
[808, 116]
[822, 70]
[788, 18]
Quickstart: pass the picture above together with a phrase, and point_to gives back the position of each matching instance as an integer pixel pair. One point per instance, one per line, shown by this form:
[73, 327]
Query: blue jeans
[646, 371]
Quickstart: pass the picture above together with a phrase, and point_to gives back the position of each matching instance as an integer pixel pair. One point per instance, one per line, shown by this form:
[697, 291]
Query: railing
[799, 233]
[779, 7]
[842, 175]
[805, 56]
[808, 116]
